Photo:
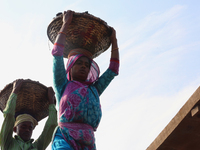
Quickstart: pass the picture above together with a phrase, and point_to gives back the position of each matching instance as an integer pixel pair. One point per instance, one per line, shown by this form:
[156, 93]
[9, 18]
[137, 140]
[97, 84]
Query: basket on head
[85, 31]
[32, 99]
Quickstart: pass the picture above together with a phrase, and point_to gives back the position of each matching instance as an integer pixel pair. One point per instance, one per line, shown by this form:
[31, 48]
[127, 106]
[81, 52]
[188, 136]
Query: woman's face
[80, 69]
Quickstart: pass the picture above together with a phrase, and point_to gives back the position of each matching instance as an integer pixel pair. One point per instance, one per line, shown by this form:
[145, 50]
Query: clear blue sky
[159, 51]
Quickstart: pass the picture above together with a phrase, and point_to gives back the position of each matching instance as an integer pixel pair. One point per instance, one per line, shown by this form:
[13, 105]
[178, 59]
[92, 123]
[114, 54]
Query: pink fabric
[75, 126]
[75, 100]
[114, 65]
[83, 133]
[93, 75]
[57, 49]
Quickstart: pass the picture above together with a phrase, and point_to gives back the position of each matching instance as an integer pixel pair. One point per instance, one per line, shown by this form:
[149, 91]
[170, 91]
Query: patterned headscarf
[94, 72]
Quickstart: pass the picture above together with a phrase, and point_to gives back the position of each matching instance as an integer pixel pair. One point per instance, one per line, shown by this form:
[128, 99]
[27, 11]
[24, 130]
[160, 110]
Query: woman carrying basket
[77, 91]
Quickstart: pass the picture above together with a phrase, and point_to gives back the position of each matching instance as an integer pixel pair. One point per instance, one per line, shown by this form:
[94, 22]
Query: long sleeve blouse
[79, 103]
[7, 142]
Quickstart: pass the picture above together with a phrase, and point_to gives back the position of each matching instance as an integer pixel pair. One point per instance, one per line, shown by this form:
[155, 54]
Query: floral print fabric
[79, 104]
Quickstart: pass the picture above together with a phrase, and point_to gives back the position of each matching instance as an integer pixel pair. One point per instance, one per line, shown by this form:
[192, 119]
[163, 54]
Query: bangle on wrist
[114, 49]
[62, 33]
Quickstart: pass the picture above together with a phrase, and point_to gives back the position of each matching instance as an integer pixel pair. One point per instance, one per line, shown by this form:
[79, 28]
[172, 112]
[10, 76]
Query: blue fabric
[59, 142]
[81, 105]
[60, 78]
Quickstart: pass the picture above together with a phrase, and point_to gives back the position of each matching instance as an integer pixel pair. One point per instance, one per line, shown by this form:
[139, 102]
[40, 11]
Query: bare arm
[67, 18]
[59, 73]
[115, 49]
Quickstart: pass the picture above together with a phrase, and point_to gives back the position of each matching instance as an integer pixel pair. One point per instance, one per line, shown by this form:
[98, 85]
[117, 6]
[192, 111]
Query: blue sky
[159, 60]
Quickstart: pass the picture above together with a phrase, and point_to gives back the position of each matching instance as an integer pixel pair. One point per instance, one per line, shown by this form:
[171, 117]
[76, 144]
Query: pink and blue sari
[79, 104]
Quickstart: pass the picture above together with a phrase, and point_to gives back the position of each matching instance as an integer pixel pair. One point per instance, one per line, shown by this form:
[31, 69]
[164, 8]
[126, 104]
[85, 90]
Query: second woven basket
[32, 99]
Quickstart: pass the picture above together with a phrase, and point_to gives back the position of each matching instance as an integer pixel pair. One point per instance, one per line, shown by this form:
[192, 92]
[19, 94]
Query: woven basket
[85, 31]
[32, 99]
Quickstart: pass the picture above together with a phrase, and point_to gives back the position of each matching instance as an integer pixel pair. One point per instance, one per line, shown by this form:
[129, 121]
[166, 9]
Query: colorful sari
[79, 104]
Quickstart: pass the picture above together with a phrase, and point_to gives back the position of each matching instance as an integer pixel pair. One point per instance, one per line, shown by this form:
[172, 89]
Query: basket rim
[25, 81]
[39, 113]
[78, 14]
[90, 18]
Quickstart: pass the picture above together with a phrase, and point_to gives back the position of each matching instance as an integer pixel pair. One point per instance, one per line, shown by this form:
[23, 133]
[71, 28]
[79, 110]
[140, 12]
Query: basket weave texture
[32, 99]
[85, 31]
